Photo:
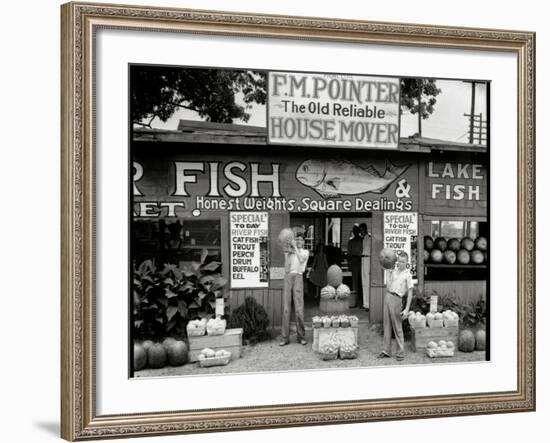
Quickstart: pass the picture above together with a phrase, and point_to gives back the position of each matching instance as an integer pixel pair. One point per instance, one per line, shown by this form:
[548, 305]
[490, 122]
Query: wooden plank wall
[270, 299]
[376, 303]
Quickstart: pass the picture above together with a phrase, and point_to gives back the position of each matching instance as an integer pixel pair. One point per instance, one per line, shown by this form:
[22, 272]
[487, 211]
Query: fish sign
[335, 178]
[333, 110]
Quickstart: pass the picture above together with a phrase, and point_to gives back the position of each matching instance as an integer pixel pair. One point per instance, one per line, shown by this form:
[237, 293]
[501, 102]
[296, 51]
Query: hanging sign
[400, 234]
[333, 110]
[249, 251]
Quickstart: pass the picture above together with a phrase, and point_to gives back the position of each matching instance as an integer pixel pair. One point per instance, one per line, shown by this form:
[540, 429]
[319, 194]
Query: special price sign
[333, 109]
[400, 231]
[249, 249]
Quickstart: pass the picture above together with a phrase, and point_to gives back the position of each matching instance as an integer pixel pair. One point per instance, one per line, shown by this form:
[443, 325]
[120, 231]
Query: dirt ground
[269, 356]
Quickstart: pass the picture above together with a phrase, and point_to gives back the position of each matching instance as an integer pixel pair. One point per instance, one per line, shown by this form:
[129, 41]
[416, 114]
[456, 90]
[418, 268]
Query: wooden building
[188, 182]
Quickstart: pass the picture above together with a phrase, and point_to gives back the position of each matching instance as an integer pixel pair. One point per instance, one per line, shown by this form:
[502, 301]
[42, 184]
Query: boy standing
[399, 284]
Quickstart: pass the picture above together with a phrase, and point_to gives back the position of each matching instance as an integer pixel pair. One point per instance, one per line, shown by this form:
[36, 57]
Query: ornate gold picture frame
[80, 22]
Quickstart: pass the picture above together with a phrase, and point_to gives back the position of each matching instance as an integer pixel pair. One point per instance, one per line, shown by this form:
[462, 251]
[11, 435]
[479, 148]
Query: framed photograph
[277, 221]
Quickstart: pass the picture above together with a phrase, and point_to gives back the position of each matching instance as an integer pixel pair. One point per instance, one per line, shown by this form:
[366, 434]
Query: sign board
[249, 249]
[400, 234]
[315, 109]
[433, 303]
[456, 185]
[192, 185]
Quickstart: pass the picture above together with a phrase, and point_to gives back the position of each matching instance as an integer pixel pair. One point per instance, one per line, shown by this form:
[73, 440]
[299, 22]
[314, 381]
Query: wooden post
[472, 109]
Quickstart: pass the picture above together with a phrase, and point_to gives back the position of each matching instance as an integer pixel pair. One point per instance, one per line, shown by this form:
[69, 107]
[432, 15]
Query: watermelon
[481, 243]
[335, 276]
[388, 258]
[428, 243]
[147, 344]
[177, 353]
[476, 257]
[440, 243]
[156, 356]
[168, 341]
[463, 257]
[466, 341]
[453, 244]
[450, 257]
[467, 243]
[480, 340]
[436, 255]
[140, 357]
[426, 256]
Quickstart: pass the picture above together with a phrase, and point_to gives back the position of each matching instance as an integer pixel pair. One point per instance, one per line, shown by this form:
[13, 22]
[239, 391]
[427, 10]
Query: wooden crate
[334, 306]
[318, 332]
[231, 341]
[422, 336]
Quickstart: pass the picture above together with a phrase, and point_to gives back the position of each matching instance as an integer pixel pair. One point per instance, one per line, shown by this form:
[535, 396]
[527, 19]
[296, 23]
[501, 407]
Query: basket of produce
[208, 358]
[336, 322]
[348, 351]
[417, 320]
[434, 320]
[327, 322]
[353, 321]
[450, 319]
[216, 326]
[440, 349]
[344, 321]
[329, 351]
[196, 328]
[317, 322]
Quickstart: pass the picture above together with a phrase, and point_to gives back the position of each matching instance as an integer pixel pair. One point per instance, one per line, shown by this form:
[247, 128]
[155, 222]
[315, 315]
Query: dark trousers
[355, 268]
[293, 291]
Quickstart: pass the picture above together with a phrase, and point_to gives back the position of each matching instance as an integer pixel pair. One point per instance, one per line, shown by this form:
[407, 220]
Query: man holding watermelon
[295, 264]
[398, 285]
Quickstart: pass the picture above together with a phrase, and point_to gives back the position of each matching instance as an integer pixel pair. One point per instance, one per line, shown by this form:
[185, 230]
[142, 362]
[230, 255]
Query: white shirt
[292, 263]
[399, 282]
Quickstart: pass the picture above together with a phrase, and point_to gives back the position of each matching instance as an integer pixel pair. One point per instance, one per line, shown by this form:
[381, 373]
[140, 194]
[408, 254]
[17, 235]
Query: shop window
[456, 250]
[176, 242]
[454, 229]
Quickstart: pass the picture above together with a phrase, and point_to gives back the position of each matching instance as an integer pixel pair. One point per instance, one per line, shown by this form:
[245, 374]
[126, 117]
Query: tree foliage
[158, 92]
[412, 89]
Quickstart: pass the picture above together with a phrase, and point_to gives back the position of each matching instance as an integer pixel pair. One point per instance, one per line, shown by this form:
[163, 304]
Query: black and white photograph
[286, 221]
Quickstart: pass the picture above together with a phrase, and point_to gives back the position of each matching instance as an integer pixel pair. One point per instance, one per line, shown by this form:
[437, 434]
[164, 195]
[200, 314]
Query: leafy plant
[253, 318]
[471, 314]
[165, 300]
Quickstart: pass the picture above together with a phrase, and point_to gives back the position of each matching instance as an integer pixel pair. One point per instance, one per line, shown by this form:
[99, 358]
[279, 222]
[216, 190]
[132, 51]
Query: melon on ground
[168, 341]
[466, 341]
[480, 340]
[177, 353]
[147, 344]
[156, 356]
[140, 357]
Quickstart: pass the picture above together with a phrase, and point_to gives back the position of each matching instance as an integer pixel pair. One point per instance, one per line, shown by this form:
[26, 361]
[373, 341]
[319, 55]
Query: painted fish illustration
[333, 178]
